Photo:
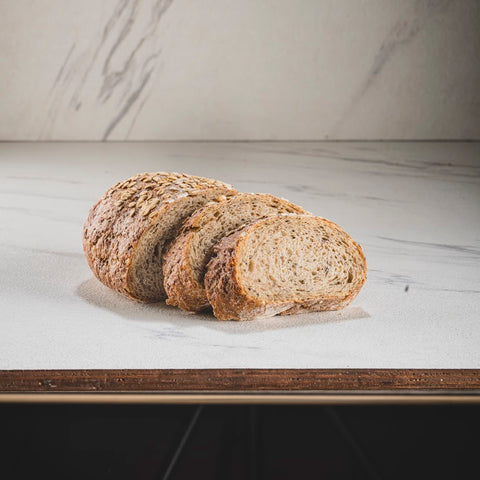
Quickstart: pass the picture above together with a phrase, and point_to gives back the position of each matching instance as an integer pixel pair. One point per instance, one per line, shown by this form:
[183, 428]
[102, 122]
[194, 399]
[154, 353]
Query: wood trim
[240, 380]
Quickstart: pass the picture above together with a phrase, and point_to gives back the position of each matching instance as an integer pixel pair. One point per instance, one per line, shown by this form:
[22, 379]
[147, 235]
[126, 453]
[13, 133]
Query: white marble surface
[415, 207]
[229, 69]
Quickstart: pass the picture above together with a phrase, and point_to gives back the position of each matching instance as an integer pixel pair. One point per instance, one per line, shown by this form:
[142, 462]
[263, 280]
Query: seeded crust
[231, 301]
[184, 265]
[127, 211]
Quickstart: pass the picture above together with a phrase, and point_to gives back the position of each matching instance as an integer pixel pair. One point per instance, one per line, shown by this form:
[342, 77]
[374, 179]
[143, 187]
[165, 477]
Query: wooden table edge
[246, 381]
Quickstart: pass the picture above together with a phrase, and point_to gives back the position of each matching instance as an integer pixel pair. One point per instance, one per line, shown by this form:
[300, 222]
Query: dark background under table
[79, 441]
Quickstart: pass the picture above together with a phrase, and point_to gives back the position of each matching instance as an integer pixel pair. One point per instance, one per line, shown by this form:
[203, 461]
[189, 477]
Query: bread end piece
[127, 229]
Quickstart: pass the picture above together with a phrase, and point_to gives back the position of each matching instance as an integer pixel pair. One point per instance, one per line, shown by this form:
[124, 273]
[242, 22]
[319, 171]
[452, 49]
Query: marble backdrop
[229, 69]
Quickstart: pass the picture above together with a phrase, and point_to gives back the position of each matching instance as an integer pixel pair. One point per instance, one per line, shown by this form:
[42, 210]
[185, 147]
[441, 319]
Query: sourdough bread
[128, 228]
[187, 257]
[284, 264]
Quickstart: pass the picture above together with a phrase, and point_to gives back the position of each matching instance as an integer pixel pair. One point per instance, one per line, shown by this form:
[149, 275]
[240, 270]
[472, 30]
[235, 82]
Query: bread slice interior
[300, 259]
[145, 273]
[284, 264]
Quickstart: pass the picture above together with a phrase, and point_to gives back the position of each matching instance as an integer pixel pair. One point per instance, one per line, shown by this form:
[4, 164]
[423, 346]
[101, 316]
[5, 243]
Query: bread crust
[180, 281]
[118, 220]
[230, 301]
[181, 286]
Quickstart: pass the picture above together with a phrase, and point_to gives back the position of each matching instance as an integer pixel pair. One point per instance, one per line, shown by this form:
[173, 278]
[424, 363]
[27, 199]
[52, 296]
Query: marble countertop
[415, 208]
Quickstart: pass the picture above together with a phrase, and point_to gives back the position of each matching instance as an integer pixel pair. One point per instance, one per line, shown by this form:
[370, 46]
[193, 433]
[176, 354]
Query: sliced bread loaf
[127, 229]
[284, 264]
[188, 255]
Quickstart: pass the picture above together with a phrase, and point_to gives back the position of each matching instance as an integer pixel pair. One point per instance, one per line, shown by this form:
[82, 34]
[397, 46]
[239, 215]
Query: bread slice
[188, 255]
[126, 231]
[282, 265]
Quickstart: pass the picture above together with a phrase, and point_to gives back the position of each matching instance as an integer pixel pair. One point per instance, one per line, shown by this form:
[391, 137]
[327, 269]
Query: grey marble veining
[124, 67]
[213, 70]
[403, 31]
[415, 208]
